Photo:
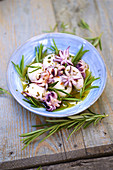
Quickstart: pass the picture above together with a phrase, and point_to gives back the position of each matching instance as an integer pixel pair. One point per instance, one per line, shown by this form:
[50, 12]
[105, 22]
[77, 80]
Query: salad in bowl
[57, 80]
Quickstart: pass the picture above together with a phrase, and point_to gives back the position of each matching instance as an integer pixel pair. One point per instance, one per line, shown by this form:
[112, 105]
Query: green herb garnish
[20, 69]
[40, 54]
[39, 168]
[54, 48]
[84, 25]
[51, 29]
[95, 41]
[78, 56]
[54, 89]
[87, 82]
[37, 57]
[55, 125]
[53, 84]
[32, 66]
[33, 102]
[70, 99]
[64, 27]
[2, 91]
[37, 68]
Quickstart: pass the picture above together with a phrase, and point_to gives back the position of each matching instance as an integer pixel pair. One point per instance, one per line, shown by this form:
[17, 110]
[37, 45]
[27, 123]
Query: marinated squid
[58, 70]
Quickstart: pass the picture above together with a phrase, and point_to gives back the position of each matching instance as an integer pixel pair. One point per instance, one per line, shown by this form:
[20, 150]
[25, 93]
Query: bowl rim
[37, 37]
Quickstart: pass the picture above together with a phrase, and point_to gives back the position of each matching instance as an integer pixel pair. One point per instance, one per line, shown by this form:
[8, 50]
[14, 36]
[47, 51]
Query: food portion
[55, 80]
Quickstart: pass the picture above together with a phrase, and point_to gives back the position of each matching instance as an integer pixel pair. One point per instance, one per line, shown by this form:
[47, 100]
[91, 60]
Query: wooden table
[91, 148]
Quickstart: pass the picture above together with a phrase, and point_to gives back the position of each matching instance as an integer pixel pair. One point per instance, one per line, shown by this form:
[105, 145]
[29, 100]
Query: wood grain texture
[19, 21]
[56, 159]
[87, 164]
[98, 15]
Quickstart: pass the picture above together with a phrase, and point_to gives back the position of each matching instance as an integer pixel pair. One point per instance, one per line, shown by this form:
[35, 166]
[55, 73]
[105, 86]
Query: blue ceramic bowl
[92, 58]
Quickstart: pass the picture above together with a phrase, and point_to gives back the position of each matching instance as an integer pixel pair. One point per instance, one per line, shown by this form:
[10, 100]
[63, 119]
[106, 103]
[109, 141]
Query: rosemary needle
[55, 125]
[84, 25]
[2, 91]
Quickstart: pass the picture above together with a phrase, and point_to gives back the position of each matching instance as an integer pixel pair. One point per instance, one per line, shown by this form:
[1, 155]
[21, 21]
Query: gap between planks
[93, 152]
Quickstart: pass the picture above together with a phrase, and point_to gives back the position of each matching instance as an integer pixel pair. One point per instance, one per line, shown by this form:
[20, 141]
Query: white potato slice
[35, 91]
[75, 72]
[48, 60]
[60, 85]
[33, 76]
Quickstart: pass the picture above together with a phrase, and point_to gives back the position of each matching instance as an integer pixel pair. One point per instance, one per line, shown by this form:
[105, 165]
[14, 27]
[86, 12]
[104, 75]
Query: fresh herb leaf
[53, 84]
[54, 89]
[63, 29]
[20, 69]
[39, 168]
[55, 47]
[22, 65]
[95, 41]
[91, 87]
[84, 25]
[38, 67]
[89, 79]
[32, 66]
[70, 99]
[2, 91]
[40, 54]
[33, 102]
[40, 49]
[55, 125]
[78, 55]
[64, 26]
[52, 29]
[37, 59]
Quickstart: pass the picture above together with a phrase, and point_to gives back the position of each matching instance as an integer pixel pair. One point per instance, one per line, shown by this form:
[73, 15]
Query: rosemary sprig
[20, 69]
[54, 48]
[59, 90]
[84, 25]
[33, 102]
[37, 68]
[32, 66]
[53, 84]
[55, 125]
[87, 82]
[64, 27]
[70, 99]
[37, 57]
[40, 54]
[51, 29]
[95, 41]
[2, 91]
[39, 168]
[22, 65]
[78, 55]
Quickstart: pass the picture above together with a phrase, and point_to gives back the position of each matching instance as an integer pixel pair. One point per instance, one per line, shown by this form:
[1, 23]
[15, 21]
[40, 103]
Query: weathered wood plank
[90, 164]
[97, 14]
[19, 21]
[48, 160]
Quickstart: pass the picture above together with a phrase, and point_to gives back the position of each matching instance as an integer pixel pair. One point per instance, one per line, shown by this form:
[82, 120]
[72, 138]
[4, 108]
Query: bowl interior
[92, 58]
